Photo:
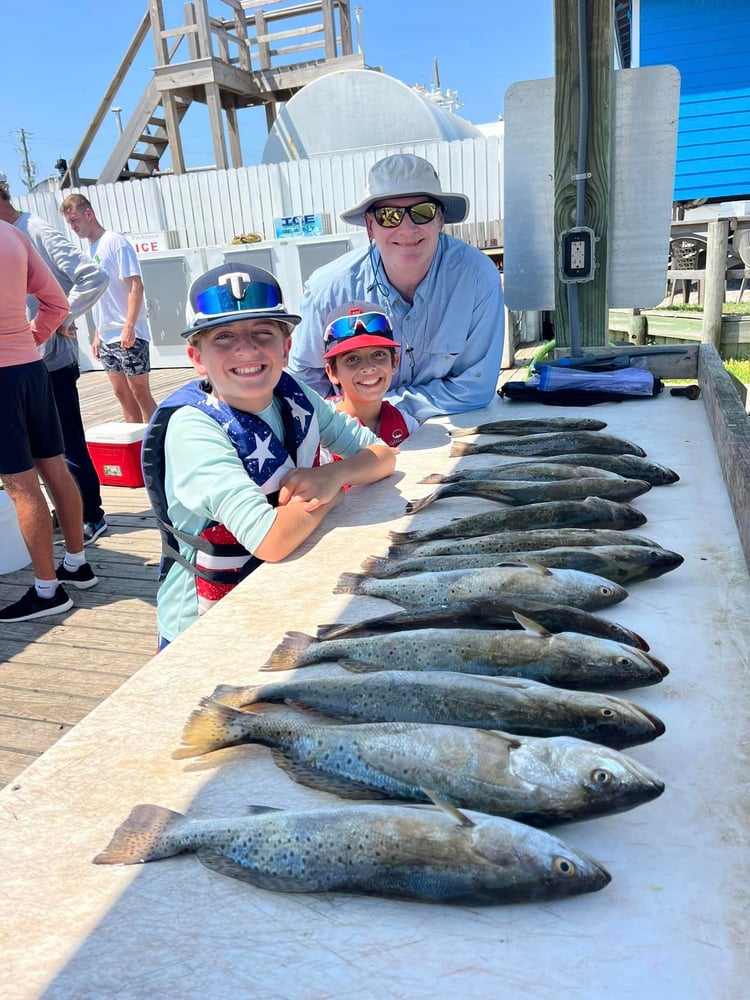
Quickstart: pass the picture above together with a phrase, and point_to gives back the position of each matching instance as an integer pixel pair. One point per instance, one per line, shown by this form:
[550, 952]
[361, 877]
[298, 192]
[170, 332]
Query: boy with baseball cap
[361, 357]
[231, 461]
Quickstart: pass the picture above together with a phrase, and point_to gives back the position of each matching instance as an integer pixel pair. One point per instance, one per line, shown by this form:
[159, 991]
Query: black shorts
[133, 360]
[28, 417]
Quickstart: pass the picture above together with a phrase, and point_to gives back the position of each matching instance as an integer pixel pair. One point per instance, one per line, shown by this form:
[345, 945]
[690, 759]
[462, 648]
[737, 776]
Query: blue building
[709, 43]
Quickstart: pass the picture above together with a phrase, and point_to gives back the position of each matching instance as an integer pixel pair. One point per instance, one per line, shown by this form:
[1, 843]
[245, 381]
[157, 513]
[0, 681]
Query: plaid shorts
[133, 360]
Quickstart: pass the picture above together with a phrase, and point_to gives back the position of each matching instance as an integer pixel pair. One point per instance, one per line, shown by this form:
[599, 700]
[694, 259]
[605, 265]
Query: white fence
[208, 208]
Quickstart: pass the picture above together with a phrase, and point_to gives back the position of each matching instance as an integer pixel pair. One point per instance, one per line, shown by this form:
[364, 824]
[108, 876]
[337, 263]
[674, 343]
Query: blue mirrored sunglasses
[221, 299]
[357, 324]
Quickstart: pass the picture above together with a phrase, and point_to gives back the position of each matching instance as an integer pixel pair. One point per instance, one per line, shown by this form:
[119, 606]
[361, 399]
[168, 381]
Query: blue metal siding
[709, 43]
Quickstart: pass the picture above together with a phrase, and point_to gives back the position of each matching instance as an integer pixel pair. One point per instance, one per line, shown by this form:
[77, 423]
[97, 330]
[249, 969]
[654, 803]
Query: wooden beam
[598, 56]
[233, 130]
[716, 269]
[213, 101]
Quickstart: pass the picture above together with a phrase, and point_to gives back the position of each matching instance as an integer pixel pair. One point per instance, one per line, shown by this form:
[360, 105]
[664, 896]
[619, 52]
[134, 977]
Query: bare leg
[67, 499]
[130, 408]
[34, 519]
[139, 386]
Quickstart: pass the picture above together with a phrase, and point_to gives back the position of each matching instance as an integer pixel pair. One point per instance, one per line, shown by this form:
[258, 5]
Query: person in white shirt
[122, 336]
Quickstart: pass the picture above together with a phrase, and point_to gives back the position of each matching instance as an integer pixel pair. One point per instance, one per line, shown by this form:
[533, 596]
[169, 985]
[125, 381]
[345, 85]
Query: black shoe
[92, 530]
[82, 578]
[32, 605]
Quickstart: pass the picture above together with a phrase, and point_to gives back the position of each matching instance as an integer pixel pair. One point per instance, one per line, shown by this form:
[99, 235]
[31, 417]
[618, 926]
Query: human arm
[457, 340]
[53, 306]
[135, 302]
[317, 486]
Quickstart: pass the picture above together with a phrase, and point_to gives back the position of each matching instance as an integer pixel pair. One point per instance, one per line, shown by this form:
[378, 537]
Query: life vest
[221, 562]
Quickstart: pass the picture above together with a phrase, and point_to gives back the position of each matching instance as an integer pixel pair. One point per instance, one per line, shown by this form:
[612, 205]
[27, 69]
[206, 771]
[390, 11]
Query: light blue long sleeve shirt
[451, 337]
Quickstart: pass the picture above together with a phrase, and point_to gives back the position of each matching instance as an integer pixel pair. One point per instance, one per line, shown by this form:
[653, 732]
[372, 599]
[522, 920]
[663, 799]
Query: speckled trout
[512, 704]
[531, 779]
[593, 512]
[551, 444]
[563, 659]
[541, 471]
[518, 541]
[447, 587]
[630, 466]
[412, 852]
[518, 492]
[624, 564]
[532, 425]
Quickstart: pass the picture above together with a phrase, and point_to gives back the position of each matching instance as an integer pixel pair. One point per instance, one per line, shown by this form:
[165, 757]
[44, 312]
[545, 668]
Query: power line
[28, 169]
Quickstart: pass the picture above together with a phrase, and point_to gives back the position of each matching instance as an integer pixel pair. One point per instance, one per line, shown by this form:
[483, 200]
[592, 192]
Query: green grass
[740, 369]
[727, 309]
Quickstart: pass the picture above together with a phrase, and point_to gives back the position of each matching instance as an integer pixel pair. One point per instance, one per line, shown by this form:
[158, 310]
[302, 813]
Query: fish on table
[518, 541]
[559, 443]
[624, 564]
[629, 466]
[535, 615]
[446, 587]
[521, 492]
[593, 512]
[531, 425]
[530, 470]
[534, 780]
[415, 852]
[513, 704]
[562, 659]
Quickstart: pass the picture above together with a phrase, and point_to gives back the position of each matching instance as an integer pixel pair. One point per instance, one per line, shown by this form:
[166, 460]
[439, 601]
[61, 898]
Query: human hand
[313, 487]
[127, 337]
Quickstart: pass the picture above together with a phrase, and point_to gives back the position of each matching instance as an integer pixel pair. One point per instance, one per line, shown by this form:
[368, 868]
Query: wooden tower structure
[227, 63]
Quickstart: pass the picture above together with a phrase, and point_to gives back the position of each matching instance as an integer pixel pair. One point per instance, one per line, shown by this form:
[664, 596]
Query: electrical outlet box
[577, 261]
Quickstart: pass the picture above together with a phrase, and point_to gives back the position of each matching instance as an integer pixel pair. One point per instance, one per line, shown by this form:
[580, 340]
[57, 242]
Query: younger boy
[361, 357]
[231, 462]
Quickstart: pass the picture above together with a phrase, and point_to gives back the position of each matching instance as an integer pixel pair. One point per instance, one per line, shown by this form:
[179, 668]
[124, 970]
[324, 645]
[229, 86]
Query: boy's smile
[364, 375]
[243, 360]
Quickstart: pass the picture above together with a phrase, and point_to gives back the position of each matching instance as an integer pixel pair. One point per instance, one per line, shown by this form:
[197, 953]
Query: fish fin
[452, 810]
[253, 810]
[349, 583]
[313, 715]
[210, 727]
[139, 838]
[544, 570]
[304, 774]
[414, 506]
[380, 567]
[290, 651]
[434, 477]
[530, 625]
[457, 432]
[219, 862]
[237, 697]
[403, 537]
[461, 448]
[511, 742]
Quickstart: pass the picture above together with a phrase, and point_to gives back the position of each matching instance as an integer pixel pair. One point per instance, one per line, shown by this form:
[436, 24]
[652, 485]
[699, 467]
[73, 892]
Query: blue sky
[57, 64]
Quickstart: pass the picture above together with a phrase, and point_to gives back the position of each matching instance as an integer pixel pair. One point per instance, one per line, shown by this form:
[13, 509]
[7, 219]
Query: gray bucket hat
[403, 175]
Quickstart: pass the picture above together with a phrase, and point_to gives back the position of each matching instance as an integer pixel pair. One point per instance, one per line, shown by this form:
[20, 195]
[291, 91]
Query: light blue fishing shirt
[451, 337]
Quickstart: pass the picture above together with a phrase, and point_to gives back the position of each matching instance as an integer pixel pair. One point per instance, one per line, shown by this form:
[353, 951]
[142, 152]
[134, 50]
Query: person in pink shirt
[32, 443]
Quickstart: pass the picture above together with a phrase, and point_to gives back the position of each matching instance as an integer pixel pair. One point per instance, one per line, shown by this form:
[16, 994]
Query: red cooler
[115, 450]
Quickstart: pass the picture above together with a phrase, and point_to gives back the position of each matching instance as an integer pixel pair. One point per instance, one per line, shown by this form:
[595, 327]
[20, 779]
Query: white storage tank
[356, 109]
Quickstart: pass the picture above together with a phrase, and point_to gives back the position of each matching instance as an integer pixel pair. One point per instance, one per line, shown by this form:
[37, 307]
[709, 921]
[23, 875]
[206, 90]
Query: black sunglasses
[391, 216]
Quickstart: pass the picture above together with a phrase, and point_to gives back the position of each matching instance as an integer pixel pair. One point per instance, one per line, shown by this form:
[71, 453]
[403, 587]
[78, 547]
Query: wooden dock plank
[53, 672]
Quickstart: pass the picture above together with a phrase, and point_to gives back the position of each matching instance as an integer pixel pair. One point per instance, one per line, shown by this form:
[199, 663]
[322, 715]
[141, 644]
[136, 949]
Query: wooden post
[592, 295]
[716, 269]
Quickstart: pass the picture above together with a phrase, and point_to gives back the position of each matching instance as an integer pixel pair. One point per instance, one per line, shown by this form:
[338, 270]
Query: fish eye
[606, 591]
[563, 866]
[600, 776]
[607, 713]
[623, 661]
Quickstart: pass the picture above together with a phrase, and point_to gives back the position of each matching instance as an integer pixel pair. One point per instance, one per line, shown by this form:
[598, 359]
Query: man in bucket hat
[443, 298]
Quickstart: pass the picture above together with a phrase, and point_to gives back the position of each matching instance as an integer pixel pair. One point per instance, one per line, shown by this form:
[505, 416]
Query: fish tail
[144, 836]
[237, 697]
[290, 652]
[212, 726]
[380, 567]
[414, 506]
[404, 537]
[456, 432]
[460, 448]
[349, 583]
[434, 477]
